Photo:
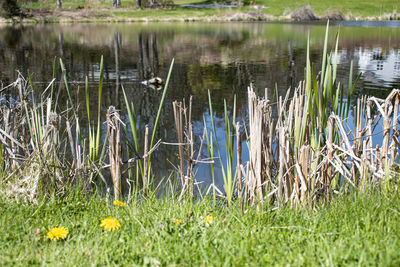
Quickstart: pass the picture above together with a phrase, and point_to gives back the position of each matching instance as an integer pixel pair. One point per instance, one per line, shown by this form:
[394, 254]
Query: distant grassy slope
[355, 230]
[274, 7]
[101, 11]
[355, 7]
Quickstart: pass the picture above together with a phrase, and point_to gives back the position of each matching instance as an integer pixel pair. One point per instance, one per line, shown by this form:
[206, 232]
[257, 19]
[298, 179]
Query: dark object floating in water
[154, 83]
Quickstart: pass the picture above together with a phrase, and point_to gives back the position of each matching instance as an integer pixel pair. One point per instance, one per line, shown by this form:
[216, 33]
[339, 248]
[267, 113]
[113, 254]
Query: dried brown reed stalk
[395, 136]
[185, 138]
[184, 131]
[114, 150]
[14, 136]
[239, 163]
[260, 170]
[178, 116]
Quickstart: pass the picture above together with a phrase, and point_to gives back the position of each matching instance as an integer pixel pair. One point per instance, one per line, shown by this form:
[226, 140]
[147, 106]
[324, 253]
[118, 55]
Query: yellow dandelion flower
[110, 224]
[178, 222]
[209, 219]
[57, 233]
[119, 203]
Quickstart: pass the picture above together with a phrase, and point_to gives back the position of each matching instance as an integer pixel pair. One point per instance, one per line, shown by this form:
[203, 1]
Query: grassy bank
[353, 230]
[101, 11]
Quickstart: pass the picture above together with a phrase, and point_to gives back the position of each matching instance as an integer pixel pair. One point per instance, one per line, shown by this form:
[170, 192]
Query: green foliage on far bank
[354, 229]
[10, 8]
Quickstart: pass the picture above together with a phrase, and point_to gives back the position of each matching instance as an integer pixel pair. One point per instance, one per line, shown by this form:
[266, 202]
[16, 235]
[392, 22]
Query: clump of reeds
[43, 155]
[301, 147]
[30, 143]
[287, 162]
[309, 152]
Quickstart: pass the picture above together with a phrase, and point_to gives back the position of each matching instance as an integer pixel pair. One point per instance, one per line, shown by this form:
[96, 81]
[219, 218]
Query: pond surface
[223, 58]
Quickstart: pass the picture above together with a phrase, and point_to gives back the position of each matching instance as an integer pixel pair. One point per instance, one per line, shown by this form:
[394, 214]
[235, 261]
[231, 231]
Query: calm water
[223, 58]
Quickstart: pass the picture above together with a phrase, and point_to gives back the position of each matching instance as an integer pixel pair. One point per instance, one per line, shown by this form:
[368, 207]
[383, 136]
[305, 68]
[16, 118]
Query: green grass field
[356, 8]
[354, 230]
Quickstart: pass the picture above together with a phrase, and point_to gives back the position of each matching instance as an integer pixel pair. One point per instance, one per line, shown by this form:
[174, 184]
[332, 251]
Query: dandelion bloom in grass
[110, 224]
[209, 219]
[178, 222]
[119, 203]
[57, 233]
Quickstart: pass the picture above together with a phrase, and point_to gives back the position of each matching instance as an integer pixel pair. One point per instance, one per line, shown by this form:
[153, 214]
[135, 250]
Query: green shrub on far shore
[10, 9]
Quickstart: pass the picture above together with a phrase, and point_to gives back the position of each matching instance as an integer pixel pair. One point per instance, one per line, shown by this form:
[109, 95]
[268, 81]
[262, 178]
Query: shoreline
[106, 15]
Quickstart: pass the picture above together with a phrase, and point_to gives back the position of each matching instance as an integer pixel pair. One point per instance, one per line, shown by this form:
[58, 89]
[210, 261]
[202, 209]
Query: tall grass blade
[159, 111]
[100, 89]
[324, 53]
[132, 121]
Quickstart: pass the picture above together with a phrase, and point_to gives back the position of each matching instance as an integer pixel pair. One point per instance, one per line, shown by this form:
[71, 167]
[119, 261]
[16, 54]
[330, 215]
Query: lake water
[223, 58]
